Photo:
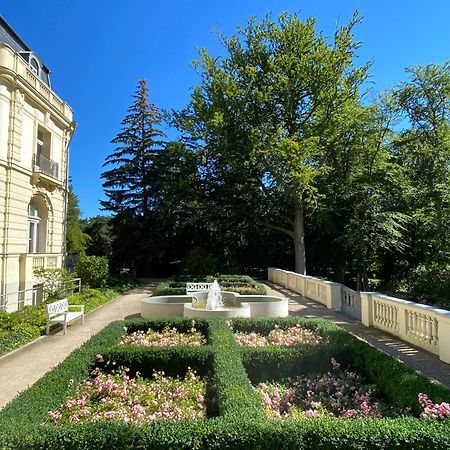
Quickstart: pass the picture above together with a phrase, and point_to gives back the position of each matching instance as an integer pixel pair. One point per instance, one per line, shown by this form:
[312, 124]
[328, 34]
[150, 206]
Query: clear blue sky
[97, 50]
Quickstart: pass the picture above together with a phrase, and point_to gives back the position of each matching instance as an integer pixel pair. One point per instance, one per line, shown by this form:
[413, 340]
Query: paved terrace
[23, 367]
[417, 359]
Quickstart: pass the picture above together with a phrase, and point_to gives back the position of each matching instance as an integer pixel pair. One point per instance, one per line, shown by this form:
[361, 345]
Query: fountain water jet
[214, 300]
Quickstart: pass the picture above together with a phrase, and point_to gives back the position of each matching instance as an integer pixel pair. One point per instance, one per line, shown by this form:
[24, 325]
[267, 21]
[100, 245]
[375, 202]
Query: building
[36, 127]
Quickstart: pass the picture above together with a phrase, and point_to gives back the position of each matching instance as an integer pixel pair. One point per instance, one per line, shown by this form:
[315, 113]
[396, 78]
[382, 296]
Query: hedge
[241, 284]
[235, 418]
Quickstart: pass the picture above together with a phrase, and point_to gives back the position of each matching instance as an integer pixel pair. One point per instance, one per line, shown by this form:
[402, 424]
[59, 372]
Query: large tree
[265, 108]
[127, 184]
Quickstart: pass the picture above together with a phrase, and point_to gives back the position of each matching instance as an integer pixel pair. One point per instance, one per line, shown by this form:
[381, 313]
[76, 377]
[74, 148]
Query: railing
[15, 301]
[421, 325]
[46, 165]
[11, 60]
[21, 298]
[44, 261]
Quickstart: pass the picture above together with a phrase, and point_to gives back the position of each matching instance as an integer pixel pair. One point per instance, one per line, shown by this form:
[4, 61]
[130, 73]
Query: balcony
[46, 166]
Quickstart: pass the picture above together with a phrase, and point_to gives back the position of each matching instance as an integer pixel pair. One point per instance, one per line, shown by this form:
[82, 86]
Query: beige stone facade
[36, 127]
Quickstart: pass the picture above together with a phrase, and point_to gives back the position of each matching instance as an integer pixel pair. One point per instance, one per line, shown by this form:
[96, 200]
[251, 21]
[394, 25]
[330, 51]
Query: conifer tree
[128, 183]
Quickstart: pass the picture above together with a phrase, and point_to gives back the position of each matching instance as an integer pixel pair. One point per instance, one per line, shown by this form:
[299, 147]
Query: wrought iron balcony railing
[45, 165]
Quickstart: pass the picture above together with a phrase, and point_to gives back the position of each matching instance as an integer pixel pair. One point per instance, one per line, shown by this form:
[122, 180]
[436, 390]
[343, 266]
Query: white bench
[197, 287]
[59, 312]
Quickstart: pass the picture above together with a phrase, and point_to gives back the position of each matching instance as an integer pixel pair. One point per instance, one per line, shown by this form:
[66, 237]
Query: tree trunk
[299, 240]
[362, 281]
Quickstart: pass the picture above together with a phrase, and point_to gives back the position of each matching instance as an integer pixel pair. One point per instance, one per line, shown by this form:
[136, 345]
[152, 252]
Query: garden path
[24, 366]
[417, 359]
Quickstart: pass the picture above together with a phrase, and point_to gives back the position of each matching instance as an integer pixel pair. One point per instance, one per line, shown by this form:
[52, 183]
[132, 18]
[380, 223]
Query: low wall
[421, 325]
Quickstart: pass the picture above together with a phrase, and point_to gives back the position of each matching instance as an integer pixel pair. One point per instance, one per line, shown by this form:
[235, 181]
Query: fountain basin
[266, 305]
[243, 310]
[174, 305]
[164, 306]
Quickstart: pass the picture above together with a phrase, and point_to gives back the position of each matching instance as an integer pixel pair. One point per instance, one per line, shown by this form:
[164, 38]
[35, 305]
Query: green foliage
[235, 416]
[93, 270]
[200, 262]
[56, 283]
[100, 234]
[20, 327]
[242, 284]
[263, 112]
[76, 239]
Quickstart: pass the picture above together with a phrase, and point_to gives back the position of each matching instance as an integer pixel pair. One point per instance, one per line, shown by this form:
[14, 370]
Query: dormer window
[34, 65]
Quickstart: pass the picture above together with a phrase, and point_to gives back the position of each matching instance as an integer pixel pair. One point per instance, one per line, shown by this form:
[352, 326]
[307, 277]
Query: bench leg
[65, 327]
[47, 328]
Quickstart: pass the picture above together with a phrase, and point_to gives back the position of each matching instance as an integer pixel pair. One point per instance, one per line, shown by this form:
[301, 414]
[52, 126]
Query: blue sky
[98, 50]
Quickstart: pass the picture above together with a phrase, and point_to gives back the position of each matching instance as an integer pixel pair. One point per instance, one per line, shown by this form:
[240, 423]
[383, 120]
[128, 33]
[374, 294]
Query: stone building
[36, 127]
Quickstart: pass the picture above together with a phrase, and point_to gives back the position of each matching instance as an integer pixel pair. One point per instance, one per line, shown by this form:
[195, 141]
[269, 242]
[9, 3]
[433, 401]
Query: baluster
[434, 332]
[428, 335]
[421, 327]
[410, 322]
[415, 319]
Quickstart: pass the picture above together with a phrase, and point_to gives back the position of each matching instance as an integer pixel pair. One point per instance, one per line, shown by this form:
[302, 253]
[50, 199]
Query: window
[43, 142]
[42, 160]
[37, 226]
[34, 65]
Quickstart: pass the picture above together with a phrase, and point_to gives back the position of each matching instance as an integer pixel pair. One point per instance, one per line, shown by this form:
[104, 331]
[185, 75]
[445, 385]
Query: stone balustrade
[421, 325]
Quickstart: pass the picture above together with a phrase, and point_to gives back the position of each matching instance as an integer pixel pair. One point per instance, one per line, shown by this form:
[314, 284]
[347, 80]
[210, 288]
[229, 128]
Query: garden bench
[197, 287]
[59, 312]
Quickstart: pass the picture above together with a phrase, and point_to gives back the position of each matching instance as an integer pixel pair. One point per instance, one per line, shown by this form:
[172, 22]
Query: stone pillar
[334, 297]
[366, 309]
[444, 336]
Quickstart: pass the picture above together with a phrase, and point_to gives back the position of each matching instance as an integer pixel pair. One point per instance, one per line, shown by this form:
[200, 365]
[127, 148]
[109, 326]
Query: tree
[100, 234]
[76, 239]
[266, 108]
[423, 147]
[127, 184]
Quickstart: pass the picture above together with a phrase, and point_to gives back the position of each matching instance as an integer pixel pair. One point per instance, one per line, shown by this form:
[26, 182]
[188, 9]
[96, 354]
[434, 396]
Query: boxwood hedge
[235, 419]
[241, 284]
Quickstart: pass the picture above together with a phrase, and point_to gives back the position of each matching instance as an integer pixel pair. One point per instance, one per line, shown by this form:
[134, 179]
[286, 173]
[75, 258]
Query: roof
[10, 37]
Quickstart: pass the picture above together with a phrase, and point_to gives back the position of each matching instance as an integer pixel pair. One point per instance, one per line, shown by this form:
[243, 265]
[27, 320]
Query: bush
[242, 284]
[93, 270]
[56, 283]
[235, 416]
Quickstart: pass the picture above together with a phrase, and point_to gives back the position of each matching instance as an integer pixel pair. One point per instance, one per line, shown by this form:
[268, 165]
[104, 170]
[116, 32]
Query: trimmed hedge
[235, 417]
[242, 284]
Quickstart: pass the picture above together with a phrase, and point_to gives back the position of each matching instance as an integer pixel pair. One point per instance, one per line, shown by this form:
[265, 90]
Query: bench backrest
[58, 307]
[196, 287]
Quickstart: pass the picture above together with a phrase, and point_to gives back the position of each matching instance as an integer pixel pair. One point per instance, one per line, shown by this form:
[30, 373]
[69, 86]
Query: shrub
[56, 283]
[93, 270]
[235, 414]
[241, 284]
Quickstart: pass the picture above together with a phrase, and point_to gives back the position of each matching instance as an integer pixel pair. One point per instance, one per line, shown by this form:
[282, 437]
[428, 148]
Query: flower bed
[278, 336]
[168, 337]
[118, 410]
[117, 396]
[338, 393]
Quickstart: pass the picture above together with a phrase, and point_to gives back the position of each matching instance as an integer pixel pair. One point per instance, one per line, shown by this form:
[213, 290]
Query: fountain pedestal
[241, 311]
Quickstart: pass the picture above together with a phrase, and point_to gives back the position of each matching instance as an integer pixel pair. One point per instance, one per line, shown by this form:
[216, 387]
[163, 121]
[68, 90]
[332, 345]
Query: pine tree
[128, 184]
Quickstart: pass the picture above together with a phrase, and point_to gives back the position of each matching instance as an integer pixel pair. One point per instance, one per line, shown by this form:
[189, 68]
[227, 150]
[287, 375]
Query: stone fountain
[216, 304]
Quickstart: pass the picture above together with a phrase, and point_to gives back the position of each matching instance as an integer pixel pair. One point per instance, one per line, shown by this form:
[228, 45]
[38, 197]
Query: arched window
[37, 226]
[34, 65]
